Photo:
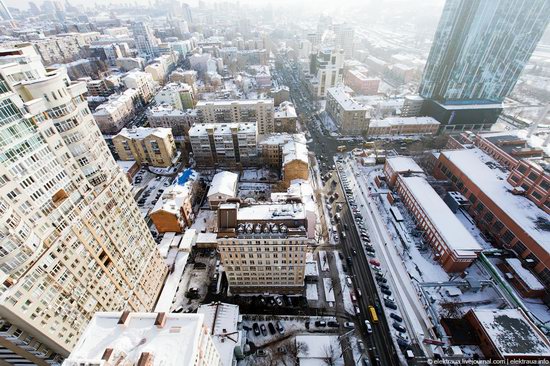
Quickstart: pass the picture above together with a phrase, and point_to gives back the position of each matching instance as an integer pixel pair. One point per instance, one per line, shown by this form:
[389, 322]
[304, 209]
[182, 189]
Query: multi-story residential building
[349, 115]
[231, 144]
[184, 76]
[403, 126]
[361, 83]
[288, 153]
[259, 111]
[171, 339]
[327, 68]
[280, 94]
[130, 63]
[412, 106]
[179, 121]
[98, 88]
[106, 52]
[285, 118]
[161, 67]
[478, 53]
[178, 95]
[499, 209]
[142, 82]
[73, 239]
[152, 146]
[112, 115]
[173, 212]
[146, 42]
[453, 245]
[344, 38]
[263, 246]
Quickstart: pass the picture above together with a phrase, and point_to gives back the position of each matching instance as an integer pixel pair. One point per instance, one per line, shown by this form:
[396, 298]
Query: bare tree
[295, 348]
[330, 355]
[451, 309]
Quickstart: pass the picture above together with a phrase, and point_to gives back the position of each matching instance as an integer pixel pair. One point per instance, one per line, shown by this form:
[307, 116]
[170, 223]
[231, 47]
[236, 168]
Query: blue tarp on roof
[184, 177]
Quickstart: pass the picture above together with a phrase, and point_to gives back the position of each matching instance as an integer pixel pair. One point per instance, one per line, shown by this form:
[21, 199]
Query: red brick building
[361, 83]
[498, 208]
[399, 165]
[454, 247]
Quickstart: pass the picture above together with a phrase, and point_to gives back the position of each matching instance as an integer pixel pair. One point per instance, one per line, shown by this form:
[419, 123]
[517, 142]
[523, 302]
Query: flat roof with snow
[402, 121]
[170, 288]
[512, 334]
[401, 164]
[272, 211]
[224, 183]
[345, 100]
[222, 321]
[176, 343]
[456, 236]
[486, 174]
[526, 276]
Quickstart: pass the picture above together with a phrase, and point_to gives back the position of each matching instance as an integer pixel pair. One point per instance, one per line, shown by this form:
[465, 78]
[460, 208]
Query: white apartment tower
[73, 241]
[146, 42]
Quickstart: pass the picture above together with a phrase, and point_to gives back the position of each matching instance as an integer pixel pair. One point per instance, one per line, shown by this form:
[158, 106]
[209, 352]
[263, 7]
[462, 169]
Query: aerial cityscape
[265, 183]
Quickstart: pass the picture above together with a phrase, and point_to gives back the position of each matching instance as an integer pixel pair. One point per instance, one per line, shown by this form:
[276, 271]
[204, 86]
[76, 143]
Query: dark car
[383, 286]
[271, 328]
[399, 327]
[340, 255]
[320, 323]
[386, 292]
[256, 329]
[402, 342]
[394, 316]
[263, 329]
[348, 261]
[280, 327]
[333, 324]
[381, 279]
[390, 304]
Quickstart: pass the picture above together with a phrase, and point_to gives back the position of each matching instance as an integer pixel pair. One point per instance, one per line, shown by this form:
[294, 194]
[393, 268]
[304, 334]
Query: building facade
[285, 118]
[225, 144]
[403, 126]
[179, 121]
[146, 42]
[113, 115]
[178, 95]
[142, 82]
[350, 116]
[326, 67]
[260, 111]
[73, 239]
[152, 146]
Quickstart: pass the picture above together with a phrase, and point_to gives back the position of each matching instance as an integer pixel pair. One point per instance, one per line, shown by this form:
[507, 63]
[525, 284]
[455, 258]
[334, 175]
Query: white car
[368, 326]
[349, 325]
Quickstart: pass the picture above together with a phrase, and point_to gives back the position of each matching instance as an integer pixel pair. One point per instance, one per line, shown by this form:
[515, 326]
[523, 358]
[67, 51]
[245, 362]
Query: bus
[373, 315]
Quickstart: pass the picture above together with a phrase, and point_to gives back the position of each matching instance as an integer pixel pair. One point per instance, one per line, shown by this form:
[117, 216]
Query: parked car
[256, 329]
[399, 327]
[381, 279]
[357, 310]
[396, 317]
[320, 323]
[280, 327]
[271, 328]
[383, 286]
[389, 298]
[333, 324]
[374, 262]
[390, 305]
[349, 325]
[386, 292]
[263, 329]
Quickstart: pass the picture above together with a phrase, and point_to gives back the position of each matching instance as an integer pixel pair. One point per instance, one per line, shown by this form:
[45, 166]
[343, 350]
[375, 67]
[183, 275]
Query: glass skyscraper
[481, 47]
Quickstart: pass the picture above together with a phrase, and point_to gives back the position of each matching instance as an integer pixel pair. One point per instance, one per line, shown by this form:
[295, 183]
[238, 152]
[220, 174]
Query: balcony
[77, 88]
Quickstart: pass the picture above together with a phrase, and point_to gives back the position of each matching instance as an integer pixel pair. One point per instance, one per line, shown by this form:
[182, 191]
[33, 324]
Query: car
[409, 354]
[358, 292]
[386, 292]
[390, 305]
[399, 327]
[353, 297]
[374, 262]
[368, 326]
[320, 323]
[402, 342]
[279, 301]
[383, 286]
[333, 324]
[376, 269]
[346, 227]
[381, 279]
[396, 317]
[280, 327]
[263, 329]
[340, 255]
[256, 329]
[369, 248]
[271, 328]
[344, 268]
[349, 325]
[377, 361]
[306, 324]
[389, 298]
[354, 252]
[371, 253]
[348, 260]
[361, 346]
[357, 310]
[179, 309]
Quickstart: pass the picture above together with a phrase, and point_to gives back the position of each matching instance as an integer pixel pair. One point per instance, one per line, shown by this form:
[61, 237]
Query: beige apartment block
[73, 239]
[152, 146]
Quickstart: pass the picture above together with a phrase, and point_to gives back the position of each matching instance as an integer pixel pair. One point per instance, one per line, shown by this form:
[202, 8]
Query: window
[533, 176]
[508, 237]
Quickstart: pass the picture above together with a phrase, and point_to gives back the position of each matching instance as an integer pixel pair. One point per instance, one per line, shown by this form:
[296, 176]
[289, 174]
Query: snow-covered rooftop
[222, 319]
[319, 346]
[139, 133]
[487, 175]
[343, 97]
[512, 333]
[201, 129]
[285, 110]
[400, 121]
[295, 150]
[175, 196]
[272, 211]
[176, 343]
[170, 288]
[224, 183]
[443, 219]
[526, 276]
[188, 240]
[403, 164]
[241, 102]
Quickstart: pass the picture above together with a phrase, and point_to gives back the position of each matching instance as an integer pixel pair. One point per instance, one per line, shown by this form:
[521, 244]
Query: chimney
[123, 320]
[146, 359]
[107, 354]
[160, 320]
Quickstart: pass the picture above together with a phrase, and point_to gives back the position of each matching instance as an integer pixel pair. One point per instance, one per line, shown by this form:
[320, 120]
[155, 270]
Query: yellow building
[152, 146]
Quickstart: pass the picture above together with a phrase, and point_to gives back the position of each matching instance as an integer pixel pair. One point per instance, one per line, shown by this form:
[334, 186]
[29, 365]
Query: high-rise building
[146, 42]
[73, 241]
[326, 68]
[480, 49]
[344, 38]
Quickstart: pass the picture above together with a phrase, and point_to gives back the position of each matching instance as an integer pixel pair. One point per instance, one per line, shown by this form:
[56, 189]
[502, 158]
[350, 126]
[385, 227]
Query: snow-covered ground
[258, 175]
[346, 291]
[255, 191]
